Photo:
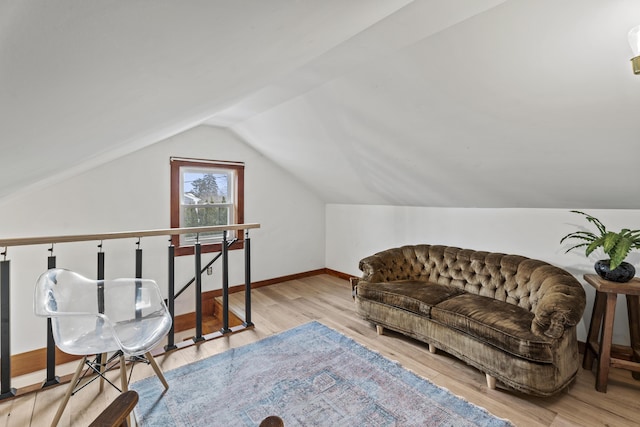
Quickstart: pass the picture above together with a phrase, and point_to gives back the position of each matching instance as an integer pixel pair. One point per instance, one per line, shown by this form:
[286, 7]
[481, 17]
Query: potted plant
[616, 245]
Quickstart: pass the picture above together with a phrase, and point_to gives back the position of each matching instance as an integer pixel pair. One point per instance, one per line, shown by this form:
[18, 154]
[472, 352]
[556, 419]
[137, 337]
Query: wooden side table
[604, 309]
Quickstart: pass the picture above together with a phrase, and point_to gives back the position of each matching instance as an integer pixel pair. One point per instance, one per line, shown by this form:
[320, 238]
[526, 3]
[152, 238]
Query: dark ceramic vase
[622, 273]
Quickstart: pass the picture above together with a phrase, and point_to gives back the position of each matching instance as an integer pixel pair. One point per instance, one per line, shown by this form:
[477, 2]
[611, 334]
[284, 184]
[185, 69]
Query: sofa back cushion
[510, 278]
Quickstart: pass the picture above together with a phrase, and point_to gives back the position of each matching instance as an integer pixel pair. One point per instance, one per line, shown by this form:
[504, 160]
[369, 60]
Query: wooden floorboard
[327, 299]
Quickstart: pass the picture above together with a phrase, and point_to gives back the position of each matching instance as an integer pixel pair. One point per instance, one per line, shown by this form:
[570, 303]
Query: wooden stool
[604, 309]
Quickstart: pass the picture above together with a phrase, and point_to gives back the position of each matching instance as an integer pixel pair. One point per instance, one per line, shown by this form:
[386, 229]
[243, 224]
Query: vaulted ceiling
[463, 103]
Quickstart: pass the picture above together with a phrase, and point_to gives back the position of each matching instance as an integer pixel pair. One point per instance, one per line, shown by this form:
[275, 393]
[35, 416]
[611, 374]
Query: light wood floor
[328, 300]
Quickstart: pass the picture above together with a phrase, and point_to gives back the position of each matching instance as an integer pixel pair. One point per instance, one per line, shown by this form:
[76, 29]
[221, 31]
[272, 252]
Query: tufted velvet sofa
[511, 317]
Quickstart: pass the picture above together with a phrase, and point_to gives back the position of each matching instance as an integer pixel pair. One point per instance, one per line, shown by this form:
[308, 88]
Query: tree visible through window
[205, 193]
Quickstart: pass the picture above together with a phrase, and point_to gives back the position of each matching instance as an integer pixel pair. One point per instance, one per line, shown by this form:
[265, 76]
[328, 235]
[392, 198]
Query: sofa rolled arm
[402, 263]
[560, 306]
[381, 267]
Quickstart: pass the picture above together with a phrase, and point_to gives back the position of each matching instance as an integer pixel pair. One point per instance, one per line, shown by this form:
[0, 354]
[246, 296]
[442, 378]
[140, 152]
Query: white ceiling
[466, 103]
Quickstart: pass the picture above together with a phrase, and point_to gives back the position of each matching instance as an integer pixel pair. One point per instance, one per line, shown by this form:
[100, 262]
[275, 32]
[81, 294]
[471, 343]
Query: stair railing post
[247, 279]
[51, 378]
[100, 291]
[225, 284]
[138, 276]
[6, 390]
[170, 297]
[198, 268]
[100, 277]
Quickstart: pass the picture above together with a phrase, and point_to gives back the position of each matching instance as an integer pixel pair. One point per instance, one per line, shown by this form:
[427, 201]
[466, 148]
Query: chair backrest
[103, 315]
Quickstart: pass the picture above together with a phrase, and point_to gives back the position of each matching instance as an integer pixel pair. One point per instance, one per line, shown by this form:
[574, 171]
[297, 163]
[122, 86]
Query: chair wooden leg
[67, 395]
[157, 370]
[379, 329]
[103, 368]
[123, 374]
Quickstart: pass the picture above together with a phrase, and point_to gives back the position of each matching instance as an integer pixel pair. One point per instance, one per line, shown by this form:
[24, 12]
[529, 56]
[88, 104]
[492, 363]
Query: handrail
[6, 391]
[24, 241]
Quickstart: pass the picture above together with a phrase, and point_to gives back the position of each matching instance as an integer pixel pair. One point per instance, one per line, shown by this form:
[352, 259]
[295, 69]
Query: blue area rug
[309, 376]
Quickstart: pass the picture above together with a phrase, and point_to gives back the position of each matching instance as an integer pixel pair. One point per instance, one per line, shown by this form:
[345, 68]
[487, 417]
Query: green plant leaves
[619, 252]
[610, 241]
[599, 241]
[599, 225]
[616, 245]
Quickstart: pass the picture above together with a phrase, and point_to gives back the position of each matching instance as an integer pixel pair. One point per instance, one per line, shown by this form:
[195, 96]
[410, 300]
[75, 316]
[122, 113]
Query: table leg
[594, 329]
[604, 358]
[634, 329]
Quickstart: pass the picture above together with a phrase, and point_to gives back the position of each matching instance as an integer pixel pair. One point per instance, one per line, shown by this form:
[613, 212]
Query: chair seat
[138, 336]
[94, 341]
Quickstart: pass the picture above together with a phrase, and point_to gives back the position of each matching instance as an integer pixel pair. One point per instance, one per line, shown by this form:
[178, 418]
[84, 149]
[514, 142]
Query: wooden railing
[6, 391]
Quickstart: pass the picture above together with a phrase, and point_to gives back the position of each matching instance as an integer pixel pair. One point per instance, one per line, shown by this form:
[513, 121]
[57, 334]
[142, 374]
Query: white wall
[132, 193]
[356, 231]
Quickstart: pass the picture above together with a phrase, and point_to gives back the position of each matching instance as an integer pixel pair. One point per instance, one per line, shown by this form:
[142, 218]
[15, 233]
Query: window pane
[202, 187]
[204, 216]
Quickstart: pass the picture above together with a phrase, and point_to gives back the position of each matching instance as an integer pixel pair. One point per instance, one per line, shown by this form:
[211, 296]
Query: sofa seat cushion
[416, 296]
[503, 325]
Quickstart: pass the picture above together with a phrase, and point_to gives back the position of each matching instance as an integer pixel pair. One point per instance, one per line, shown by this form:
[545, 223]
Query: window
[204, 193]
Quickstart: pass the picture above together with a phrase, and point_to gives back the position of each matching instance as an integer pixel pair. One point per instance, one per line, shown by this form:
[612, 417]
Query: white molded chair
[127, 317]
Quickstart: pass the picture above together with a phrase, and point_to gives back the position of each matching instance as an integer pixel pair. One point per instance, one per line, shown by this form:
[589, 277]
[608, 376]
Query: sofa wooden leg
[491, 382]
[380, 329]
[432, 349]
